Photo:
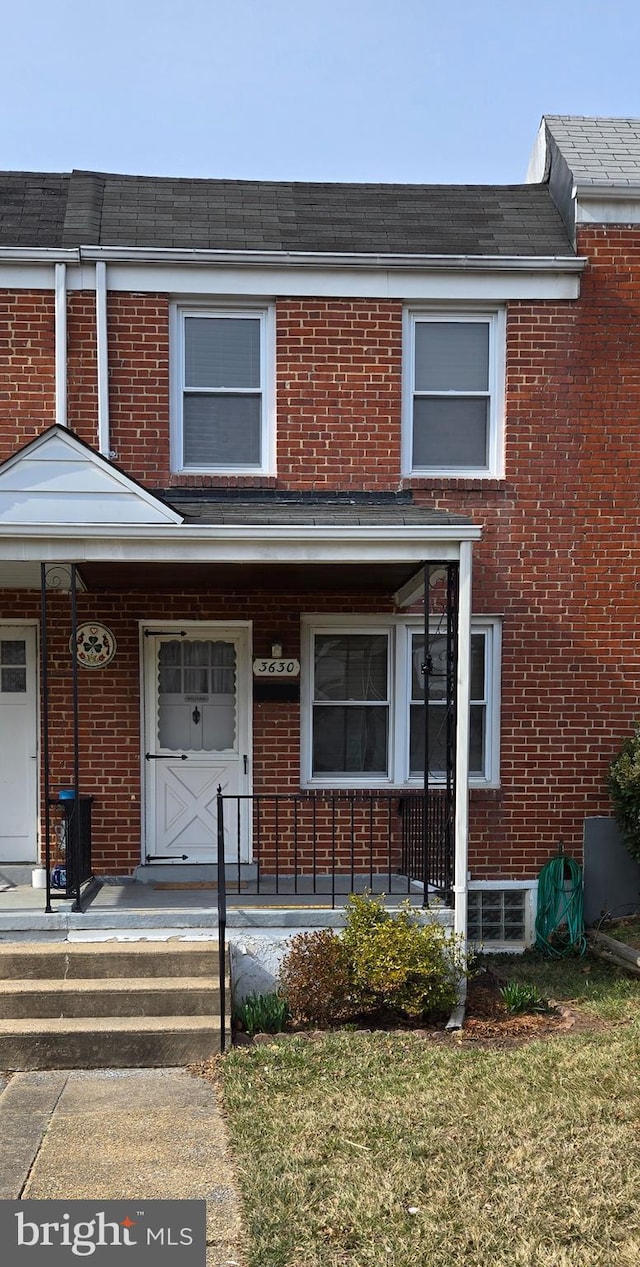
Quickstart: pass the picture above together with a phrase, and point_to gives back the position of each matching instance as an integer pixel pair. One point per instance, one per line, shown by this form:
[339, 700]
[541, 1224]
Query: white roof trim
[57, 482]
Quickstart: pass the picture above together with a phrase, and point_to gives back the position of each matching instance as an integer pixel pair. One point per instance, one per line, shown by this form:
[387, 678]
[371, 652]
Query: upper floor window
[453, 397]
[223, 390]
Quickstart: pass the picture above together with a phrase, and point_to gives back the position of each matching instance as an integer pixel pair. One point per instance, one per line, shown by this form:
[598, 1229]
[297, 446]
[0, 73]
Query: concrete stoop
[98, 1005]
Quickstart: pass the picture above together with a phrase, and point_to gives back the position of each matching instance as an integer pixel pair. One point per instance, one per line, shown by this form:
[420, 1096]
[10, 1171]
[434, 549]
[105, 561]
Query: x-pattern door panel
[196, 726]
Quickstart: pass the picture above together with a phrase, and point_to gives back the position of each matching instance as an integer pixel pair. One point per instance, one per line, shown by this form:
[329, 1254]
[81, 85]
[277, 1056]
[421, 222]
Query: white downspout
[61, 343]
[463, 689]
[102, 354]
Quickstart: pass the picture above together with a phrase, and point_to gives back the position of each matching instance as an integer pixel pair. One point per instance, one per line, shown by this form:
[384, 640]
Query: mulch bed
[487, 1022]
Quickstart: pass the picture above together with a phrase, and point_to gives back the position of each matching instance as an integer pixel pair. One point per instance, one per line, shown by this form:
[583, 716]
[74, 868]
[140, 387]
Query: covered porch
[247, 584]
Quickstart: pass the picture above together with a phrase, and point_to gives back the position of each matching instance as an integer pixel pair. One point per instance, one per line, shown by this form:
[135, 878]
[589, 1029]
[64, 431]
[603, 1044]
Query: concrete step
[190, 873]
[16, 874]
[107, 1042]
[113, 996]
[100, 960]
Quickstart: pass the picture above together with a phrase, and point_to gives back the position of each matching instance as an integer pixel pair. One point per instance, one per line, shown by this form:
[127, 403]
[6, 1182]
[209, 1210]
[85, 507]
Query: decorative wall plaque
[95, 645]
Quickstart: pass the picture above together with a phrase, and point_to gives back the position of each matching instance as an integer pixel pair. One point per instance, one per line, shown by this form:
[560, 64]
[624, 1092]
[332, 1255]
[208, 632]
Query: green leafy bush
[315, 978]
[624, 790]
[399, 964]
[382, 963]
[262, 1013]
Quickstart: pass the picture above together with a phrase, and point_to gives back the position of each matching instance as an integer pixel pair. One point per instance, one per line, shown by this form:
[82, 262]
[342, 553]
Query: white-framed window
[350, 705]
[362, 698]
[453, 393]
[223, 389]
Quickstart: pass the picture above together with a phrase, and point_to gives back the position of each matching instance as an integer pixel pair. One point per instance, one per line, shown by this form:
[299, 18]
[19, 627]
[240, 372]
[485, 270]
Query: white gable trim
[59, 481]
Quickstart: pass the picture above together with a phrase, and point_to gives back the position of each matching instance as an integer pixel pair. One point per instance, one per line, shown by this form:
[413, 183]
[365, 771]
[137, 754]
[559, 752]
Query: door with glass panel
[197, 736]
[18, 744]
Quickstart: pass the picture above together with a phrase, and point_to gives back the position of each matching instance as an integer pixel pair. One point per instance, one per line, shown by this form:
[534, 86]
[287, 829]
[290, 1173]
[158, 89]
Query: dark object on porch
[76, 809]
[73, 847]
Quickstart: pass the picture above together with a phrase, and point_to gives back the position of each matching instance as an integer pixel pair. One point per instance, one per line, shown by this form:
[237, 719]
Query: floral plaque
[95, 646]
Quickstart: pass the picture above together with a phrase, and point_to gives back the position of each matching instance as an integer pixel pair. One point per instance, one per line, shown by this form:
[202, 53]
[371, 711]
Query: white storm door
[18, 745]
[197, 740]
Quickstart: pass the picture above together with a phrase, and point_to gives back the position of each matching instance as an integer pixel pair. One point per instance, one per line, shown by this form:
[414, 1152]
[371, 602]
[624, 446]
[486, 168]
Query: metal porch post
[44, 688]
[74, 843]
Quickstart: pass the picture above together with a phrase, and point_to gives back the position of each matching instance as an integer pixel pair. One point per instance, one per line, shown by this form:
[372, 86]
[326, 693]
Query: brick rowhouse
[557, 563]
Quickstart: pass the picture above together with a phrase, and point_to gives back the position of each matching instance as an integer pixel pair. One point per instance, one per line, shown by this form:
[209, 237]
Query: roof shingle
[98, 209]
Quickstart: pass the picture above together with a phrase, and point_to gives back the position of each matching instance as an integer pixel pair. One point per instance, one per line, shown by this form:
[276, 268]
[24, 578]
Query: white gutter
[606, 190]
[297, 259]
[61, 343]
[102, 354]
[338, 259]
[385, 534]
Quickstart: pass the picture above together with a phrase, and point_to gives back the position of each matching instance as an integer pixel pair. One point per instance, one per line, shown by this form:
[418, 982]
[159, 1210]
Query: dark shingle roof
[32, 208]
[273, 514]
[96, 209]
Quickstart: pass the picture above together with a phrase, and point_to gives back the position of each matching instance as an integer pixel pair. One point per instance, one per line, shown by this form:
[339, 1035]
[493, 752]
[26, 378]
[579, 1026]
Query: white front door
[18, 744]
[197, 733]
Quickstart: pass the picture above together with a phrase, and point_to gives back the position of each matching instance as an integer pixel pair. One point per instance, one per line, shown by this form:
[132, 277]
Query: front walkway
[121, 1134]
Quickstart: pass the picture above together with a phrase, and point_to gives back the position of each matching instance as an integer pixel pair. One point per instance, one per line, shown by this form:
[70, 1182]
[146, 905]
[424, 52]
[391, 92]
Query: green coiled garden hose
[560, 917]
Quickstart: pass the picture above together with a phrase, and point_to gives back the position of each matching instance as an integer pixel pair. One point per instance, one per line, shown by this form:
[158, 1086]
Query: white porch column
[463, 695]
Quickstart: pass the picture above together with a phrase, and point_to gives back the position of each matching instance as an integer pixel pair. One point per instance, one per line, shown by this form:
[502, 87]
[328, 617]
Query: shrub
[624, 790]
[315, 978]
[380, 964]
[399, 964]
[262, 1013]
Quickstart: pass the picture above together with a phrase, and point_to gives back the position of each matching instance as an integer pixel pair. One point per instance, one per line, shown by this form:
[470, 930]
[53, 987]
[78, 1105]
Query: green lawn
[626, 930]
[383, 1150]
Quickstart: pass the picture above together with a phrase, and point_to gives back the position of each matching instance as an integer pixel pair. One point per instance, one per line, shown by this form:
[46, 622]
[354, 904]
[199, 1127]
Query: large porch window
[351, 704]
[363, 720]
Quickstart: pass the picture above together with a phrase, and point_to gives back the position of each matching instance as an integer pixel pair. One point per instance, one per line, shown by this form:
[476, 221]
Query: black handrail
[222, 916]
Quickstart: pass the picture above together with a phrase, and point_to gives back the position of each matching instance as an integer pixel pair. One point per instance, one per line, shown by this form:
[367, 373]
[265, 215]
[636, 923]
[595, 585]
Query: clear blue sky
[407, 90]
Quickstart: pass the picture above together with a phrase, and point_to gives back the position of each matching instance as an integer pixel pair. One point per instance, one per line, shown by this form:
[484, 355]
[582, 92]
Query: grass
[391, 1150]
[626, 930]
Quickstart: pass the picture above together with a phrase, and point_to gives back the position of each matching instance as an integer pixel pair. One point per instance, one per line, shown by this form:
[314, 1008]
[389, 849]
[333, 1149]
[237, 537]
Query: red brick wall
[559, 555]
[109, 699]
[27, 378]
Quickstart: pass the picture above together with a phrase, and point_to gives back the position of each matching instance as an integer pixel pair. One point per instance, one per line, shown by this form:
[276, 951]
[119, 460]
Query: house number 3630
[281, 667]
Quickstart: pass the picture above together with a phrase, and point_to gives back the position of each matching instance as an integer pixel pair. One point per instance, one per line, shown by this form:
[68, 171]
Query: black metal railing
[428, 842]
[321, 847]
[330, 844]
[222, 921]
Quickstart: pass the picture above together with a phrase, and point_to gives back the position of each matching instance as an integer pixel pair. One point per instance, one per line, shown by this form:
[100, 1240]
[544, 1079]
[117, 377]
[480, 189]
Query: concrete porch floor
[133, 905]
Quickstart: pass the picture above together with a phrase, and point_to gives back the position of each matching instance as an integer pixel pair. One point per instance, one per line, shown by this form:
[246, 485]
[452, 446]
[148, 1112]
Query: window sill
[214, 479]
[463, 483]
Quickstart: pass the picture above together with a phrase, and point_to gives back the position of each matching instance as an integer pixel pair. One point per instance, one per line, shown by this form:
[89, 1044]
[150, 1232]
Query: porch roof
[240, 546]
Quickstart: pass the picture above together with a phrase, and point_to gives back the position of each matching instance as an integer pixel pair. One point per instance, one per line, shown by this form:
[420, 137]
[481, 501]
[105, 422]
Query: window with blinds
[222, 397]
[454, 367]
